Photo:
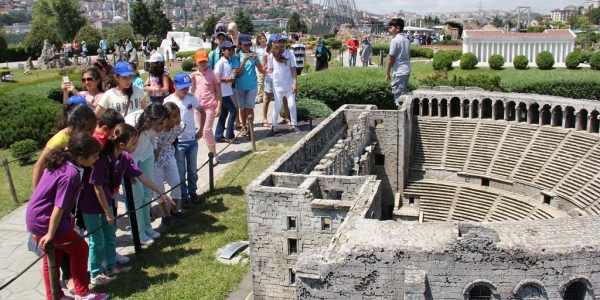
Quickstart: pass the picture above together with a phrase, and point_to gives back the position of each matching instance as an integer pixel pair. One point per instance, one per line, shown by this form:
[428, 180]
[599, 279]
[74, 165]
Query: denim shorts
[269, 89]
[246, 98]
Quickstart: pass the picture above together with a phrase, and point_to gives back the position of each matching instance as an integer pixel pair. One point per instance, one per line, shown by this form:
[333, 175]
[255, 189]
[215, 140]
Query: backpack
[171, 85]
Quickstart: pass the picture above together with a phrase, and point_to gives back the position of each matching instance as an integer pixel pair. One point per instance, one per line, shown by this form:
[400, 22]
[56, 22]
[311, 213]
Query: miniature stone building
[459, 194]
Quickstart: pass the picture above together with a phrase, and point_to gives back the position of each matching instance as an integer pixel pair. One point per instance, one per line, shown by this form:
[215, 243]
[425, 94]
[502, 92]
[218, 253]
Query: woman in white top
[282, 64]
[125, 97]
[261, 49]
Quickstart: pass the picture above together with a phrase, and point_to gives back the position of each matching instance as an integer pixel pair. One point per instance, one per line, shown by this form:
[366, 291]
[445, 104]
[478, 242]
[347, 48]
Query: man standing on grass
[398, 59]
[353, 44]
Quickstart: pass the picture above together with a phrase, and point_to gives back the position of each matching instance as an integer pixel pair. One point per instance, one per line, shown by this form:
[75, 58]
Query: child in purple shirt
[48, 216]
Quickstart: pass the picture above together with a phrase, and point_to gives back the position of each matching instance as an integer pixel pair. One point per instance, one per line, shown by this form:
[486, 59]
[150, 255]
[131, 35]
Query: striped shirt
[299, 51]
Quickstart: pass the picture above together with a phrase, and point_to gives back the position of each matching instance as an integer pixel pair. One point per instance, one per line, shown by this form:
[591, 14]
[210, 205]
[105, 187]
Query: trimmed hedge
[309, 108]
[578, 85]
[468, 61]
[442, 60]
[496, 62]
[336, 87]
[489, 83]
[23, 150]
[187, 65]
[544, 60]
[16, 53]
[520, 62]
[595, 61]
[414, 50]
[572, 60]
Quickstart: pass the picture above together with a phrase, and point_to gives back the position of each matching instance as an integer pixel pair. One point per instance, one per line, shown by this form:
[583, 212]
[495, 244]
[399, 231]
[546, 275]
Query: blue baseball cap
[219, 33]
[182, 80]
[244, 39]
[272, 38]
[123, 68]
[280, 37]
[227, 44]
[76, 99]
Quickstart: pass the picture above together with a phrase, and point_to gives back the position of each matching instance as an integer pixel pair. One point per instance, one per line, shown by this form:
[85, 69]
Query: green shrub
[187, 65]
[446, 42]
[572, 60]
[442, 60]
[311, 38]
[468, 61]
[496, 62]
[440, 78]
[332, 43]
[336, 87]
[23, 150]
[186, 54]
[66, 71]
[584, 56]
[595, 61]
[577, 85]
[310, 109]
[544, 60]
[414, 50]
[26, 116]
[329, 35]
[377, 48]
[455, 54]
[91, 36]
[520, 62]
[536, 28]
[16, 53]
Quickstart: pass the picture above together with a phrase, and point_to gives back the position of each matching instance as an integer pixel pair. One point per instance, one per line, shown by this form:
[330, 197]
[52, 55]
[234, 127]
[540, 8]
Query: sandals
[265, 124]
[234, 141]
[274, 131]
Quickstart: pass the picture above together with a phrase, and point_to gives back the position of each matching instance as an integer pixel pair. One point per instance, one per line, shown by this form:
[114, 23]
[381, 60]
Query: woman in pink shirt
[206, 86]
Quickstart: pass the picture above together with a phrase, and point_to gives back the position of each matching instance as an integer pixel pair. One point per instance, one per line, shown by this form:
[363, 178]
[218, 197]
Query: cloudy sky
[422, 7]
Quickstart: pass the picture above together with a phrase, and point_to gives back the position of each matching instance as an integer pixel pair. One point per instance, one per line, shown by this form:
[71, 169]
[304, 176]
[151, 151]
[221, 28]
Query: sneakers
[185, 203]
[121, 259]
[166, 220]
[179, 215]
[101, 279]
[296, 130]
[116, 271]
[91, 295]
[195, 198]
[153, 233]
[146, 240]
[215, 160]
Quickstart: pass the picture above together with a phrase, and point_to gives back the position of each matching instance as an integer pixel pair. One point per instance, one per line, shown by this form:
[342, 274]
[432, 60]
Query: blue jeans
[227, 107]
[103, 243]
[352, 60]
[157, 99]
[186, 155]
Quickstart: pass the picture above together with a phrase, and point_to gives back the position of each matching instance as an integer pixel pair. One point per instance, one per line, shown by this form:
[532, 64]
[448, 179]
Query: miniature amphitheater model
[458, 194]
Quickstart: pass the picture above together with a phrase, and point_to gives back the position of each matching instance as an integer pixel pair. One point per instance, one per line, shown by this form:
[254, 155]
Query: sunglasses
[87, 79]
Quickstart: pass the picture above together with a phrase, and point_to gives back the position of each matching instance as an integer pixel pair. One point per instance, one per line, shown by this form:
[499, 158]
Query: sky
[431, 6]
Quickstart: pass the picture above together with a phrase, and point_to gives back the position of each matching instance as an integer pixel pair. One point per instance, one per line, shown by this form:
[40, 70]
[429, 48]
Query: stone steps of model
[541, 150]
[459, 143]
[540, 215]
[511, 209]
[473, 205]
[589, 194]
[435, 199]
[486, 143]
[593, 209]
[581, 174]
[429, 145]
[514, 145]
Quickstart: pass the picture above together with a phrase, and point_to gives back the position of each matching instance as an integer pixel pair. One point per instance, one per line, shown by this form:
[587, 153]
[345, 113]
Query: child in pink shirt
[206, 86]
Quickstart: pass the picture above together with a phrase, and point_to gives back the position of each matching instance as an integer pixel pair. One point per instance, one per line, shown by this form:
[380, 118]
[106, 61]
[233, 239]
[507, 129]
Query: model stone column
[462, 109]
[518, 116]
[553, 118]
[564, 119]
[480, 110]
[541, 118]
[420, 107]
[430, 109]
[506, 112]
[449, 108]
[493, 111]
[440, 108]
[577, 121]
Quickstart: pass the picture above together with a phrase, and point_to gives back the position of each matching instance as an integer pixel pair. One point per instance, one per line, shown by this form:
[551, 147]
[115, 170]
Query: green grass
[21, 175]
[19, 78]
[182, 264]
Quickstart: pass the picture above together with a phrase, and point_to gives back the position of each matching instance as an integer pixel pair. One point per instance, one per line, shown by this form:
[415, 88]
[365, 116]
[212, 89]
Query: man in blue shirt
[103, 48]
[398, 59]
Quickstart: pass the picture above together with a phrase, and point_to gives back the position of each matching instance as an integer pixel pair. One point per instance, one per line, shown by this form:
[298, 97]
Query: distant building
[18, 28]
[264, 23]
[563, 14]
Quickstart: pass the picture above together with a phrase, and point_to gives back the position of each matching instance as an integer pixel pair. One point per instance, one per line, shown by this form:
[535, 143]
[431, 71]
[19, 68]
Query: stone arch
[511, 111]
[557, 116]
[582, 119]
[455, 107]
[465, 108]
[474, 109]
[444, 108]
[415, 106]
[522, 114]
[569, 116]
[545, 115]
[434, 108]
[499, 110]
[425, 105]
[480, 289]
[593, 122]
[486, 108]
[530, 289]
[533, 114]
[576, 288]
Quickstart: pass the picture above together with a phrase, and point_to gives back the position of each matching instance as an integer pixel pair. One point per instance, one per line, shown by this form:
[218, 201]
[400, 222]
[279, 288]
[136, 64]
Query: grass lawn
[21, 175]
[36, 75]
[182, 264]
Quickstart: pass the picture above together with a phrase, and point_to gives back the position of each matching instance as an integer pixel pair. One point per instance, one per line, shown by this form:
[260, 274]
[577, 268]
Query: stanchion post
[211, 182]
[309, 123]
[135, 231]
[251, 128]
[10, 181]
[52, 271]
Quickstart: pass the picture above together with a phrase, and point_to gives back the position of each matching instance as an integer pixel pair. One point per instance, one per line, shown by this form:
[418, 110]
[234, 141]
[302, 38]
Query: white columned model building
[485, 43]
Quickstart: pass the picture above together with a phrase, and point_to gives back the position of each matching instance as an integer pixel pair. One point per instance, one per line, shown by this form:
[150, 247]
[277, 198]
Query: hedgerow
[26, 117]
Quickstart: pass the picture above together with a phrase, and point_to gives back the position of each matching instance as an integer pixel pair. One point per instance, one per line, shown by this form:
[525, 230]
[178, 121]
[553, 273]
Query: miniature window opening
[292, 276]
[480, 292]
[411, 201]
[292, 246]
[485, 182]
[291, 223]
[575, 291]
[325, 223]
[547, 199]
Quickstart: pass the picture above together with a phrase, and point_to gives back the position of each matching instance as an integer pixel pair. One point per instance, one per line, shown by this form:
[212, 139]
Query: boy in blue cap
[187, 146]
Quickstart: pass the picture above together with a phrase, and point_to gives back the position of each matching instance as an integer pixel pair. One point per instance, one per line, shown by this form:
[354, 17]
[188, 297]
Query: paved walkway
[14, 256]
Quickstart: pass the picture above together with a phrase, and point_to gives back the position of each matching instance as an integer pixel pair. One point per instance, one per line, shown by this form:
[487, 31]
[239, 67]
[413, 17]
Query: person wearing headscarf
[365, 51]
[323, 56]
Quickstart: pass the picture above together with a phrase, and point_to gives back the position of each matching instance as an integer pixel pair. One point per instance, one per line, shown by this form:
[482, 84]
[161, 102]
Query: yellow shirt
[59, 140]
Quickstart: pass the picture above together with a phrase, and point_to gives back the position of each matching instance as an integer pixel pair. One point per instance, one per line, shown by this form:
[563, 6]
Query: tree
[294, 23]
[3, 44]
[243, 21]
[62, 16]
[119, 33]
[141, 18]
[191, 30]
[160, 24]
[209, 25]
[40, 31]
[91, 36]
[594, 16]
[9, 19]
[497, 21]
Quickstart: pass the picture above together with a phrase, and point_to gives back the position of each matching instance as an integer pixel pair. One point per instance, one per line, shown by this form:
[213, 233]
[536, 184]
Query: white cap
[156, 57]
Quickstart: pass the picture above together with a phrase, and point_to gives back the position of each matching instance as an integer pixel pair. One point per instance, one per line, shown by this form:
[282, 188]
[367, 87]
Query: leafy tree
[9, 19]
[91, 36]
[141, 18]
[40, 31]
[243, 21]
[119, 33]
[160, 24]
[594, 16]
[295, 24]
[192, 31]
[497, 21]
[209, 25]
[62, 15]
[3, 44]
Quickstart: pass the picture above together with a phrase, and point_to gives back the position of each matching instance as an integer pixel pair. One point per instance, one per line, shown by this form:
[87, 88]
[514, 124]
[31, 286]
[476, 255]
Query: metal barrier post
[309, 123]
[211, 182]
[10, 181]
[251, 128]
[135, 233]
[52, 271]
